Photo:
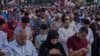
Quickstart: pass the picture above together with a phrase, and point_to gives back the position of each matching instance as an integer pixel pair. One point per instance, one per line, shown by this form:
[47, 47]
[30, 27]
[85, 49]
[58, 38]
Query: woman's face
[54, 41]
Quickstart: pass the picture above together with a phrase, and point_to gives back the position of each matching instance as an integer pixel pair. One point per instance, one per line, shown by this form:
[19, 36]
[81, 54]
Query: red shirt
[75, 43]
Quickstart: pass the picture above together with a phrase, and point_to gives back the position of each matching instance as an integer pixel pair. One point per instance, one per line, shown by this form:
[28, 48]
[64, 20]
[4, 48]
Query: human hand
[84, 50]
[54, 51]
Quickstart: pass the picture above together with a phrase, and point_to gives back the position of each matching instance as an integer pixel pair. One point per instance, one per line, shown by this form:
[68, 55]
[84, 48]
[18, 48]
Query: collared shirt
[75, 43]
[26, 50]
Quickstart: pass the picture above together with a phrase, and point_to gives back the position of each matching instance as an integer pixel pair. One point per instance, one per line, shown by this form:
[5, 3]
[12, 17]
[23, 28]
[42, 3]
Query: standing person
[57, 22]
[21, 46]
[72, 22]
[52, 46]
[42, 36]
[24, 21]
[95, 26]
[90, 37]
[4, 50]
[41, 20]
[65, 32]
[77, 44]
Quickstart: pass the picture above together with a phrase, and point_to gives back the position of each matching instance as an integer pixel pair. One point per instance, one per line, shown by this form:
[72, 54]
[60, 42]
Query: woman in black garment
[52, 46]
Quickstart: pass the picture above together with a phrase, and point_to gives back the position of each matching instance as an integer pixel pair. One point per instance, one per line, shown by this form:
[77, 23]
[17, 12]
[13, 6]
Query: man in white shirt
[4, 46]
[64, 33]
[21, 46]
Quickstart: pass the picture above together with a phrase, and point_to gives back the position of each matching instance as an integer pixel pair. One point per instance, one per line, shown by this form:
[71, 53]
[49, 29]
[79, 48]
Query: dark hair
[21, 10]
[85, 21]
[25, 20]
[52, 34]
[63, 21]
[26, 13]
[83, 29]
[2, 21]
[97, 19]
[43, 27]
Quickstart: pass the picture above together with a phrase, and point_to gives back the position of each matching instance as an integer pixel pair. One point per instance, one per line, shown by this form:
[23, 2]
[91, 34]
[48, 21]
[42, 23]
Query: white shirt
[28, 31]
[64, 34]
[26, 50]
[4, 45]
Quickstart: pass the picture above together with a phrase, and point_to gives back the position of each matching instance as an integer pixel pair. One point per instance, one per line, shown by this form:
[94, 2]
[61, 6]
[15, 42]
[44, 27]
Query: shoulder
[71, 38]
[60, 29]
[3, 34]
[28, 42]
[13, 43]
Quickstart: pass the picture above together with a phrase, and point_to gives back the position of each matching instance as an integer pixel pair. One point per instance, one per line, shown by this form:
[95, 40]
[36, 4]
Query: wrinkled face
[54, 41]
[66, 23]
[22, 38]
[82, 35]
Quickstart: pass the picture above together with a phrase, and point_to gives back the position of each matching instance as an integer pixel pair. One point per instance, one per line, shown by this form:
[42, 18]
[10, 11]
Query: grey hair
[20, 30]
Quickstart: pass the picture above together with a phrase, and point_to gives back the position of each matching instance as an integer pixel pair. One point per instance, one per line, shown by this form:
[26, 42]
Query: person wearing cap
[65, 32]
[52, 46]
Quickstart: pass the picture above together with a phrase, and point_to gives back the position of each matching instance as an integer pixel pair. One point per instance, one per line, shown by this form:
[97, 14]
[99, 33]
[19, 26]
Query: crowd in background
[50, 31]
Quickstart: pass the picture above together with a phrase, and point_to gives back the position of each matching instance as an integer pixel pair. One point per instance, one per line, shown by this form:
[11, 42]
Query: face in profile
[82, 35]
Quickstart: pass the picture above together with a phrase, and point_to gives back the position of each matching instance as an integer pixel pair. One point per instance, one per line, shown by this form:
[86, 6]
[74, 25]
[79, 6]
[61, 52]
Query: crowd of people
[50, 31]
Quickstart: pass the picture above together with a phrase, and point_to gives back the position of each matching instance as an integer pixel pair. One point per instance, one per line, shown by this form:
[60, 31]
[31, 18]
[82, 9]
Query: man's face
[82, 35]
[66, 23]
[22, 38]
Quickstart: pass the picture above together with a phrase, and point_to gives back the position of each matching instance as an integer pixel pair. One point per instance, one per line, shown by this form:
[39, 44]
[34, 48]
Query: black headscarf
[52, 34]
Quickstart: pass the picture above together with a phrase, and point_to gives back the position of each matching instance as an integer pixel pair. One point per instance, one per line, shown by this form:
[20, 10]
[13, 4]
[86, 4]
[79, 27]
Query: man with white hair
[21, 46]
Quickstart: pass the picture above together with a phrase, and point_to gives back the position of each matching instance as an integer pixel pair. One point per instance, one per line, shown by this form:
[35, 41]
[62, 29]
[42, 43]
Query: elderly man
[21, 46]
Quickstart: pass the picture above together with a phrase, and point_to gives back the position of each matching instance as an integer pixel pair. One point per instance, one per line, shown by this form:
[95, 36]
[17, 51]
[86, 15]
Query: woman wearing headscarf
[52, 46]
